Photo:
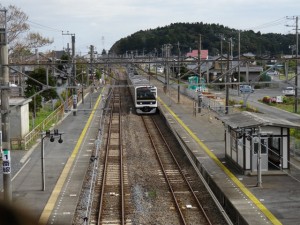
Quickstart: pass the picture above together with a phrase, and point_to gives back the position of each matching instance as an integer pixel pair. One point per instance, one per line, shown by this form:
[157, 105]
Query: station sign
[74, 99]
[6, 161]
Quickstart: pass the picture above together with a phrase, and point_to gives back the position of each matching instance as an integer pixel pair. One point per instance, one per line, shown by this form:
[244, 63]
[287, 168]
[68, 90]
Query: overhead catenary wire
[269, 24]
[44, 27]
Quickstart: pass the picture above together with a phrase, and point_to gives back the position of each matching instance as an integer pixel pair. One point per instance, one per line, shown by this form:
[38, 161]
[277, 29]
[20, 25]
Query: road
[254, 98]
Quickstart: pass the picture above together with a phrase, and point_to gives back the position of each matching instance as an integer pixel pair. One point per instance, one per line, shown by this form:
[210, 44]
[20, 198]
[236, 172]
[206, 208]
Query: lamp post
[51, 136]
[258, 140]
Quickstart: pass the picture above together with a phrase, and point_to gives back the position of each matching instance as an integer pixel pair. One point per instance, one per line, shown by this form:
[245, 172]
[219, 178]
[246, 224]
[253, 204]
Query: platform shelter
[249, 135]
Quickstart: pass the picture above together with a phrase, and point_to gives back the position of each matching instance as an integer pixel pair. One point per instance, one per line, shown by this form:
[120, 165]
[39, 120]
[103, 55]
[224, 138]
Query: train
[143, 93]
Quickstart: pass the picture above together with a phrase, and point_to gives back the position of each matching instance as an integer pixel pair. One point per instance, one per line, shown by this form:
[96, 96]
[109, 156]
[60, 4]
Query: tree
[64, 60]
[21, 41]
[103, 52]
[32, 87]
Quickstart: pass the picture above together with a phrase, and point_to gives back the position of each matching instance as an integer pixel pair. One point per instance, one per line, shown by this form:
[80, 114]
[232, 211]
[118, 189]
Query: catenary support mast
[5, 117]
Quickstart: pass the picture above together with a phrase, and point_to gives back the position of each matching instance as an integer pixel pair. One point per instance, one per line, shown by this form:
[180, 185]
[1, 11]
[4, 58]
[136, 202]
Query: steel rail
[121, 163]
[105, 164]
[182, 174]
[115, 97]
[165, 173]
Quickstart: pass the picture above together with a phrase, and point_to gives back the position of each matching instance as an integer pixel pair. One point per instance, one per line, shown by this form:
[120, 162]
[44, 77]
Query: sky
[103, 22]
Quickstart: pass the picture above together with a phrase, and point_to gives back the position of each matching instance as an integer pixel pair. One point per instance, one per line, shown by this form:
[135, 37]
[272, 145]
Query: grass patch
[283, 77]
[40, 117]
[152, 194]
[248, 107]
[288, 104]
[285, 107]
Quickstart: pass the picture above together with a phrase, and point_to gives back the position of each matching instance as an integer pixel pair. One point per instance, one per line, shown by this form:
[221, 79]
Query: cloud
[92, 19]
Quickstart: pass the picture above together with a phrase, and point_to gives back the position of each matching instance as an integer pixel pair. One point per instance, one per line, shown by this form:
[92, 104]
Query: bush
[295, 133]
[266, 99]
[269, 100]
[288, 100]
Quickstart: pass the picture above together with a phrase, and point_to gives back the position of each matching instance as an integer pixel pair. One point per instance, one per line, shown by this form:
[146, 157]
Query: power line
[45, 27]
[269, 24]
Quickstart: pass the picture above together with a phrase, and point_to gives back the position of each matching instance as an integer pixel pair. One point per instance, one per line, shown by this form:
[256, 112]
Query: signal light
[47, 133]
[60, 140]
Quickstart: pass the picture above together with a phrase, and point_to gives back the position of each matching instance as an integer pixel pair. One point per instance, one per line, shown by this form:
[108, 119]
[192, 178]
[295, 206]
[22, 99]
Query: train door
[264, 153]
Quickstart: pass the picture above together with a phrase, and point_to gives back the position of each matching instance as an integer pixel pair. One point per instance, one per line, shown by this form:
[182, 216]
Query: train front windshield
[145, 93]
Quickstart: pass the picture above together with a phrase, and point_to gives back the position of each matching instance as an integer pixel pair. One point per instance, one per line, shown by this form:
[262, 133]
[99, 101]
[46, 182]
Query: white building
[243, 133]
[19, 120]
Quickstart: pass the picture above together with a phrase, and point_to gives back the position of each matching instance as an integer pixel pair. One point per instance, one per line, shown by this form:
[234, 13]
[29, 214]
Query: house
[194, 54]
[248, 69]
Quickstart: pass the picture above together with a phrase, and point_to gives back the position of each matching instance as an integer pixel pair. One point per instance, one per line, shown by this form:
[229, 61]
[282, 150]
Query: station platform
[277, 201]
[65, 168]
[201, 135]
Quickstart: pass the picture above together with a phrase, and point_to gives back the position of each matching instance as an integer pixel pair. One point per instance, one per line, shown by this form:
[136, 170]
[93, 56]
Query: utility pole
[199, 72]
[168, 66]
[199, 57]
[239, 59]
[296, 71]
[74, 89]
[166, 50]
[221, 39]
[73, 78]
[226, 79]
[178, 75]
[92, 70]
[296, 77]
[5, 117]
[92, 59]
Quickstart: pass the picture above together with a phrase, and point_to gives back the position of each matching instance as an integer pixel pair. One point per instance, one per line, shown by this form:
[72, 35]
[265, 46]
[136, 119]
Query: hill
[187, 35]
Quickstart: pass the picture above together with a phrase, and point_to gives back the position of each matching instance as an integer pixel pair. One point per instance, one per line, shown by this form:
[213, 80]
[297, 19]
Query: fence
[53, 118]
[34, 134]
[295, 147]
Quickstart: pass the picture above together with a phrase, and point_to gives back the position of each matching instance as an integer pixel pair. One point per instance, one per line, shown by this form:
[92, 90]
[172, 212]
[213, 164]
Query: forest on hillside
[186, 37]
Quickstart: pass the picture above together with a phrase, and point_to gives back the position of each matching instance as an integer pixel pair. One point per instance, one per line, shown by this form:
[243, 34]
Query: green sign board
[194, 83]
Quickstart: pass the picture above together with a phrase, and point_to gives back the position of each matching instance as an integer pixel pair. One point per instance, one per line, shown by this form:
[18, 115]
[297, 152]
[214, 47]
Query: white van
[288, 91]
[246, 89]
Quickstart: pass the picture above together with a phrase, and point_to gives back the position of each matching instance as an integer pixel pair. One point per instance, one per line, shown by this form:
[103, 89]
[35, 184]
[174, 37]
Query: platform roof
[249, 119]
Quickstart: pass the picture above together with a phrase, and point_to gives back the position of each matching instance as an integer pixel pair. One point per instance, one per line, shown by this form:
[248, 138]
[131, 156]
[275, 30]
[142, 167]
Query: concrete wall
[19, 118]
[24, 120]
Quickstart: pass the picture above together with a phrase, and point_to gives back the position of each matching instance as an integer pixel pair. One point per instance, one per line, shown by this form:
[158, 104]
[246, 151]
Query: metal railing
[35, 133]
[30, 139]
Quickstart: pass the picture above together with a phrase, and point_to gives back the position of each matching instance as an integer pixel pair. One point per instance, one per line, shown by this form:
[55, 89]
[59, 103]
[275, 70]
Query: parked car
[246, 89]
[272, 73]
[288, 91]
[13, 85]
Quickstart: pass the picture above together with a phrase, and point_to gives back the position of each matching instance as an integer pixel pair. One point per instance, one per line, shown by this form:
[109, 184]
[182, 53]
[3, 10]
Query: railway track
[109, 204]
[188, 208]
[130, 186]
